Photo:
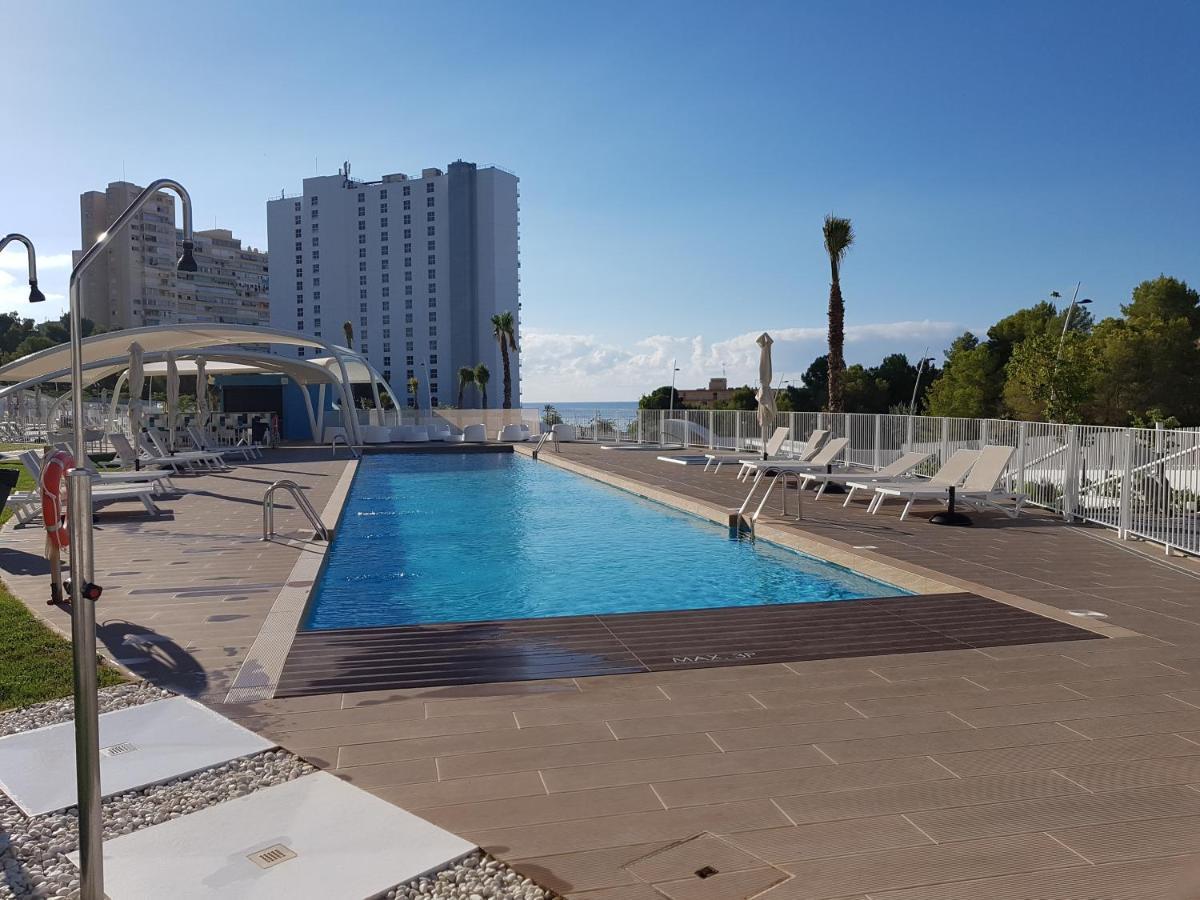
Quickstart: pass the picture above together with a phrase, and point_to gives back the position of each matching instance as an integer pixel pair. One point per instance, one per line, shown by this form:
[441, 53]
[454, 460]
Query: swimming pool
[428, 538]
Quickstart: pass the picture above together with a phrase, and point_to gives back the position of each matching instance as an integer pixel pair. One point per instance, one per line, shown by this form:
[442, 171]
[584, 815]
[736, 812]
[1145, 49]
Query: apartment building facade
[134, 282]
[417, 265]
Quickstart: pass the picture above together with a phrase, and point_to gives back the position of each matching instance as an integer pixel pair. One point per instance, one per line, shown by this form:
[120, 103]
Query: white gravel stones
[475, 877]
[56, 711]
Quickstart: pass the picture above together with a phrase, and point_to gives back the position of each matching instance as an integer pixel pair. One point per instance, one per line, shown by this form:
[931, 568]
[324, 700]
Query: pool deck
[1054, 770]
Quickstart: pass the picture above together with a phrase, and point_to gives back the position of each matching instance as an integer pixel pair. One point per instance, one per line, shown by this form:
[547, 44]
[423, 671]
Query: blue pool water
[457, 538]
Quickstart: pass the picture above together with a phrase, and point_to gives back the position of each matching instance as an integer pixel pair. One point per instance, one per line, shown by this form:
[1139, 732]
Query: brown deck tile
[757, 717]
[542, 757]
[400, 729]
[1179, 722]
[514, 811]
[867, 690]
[632, 828]
[1066, 710]
[615, 711]
[673, 768]
[949, 742]
[862, 802]
[425, 794]
[1124, 841]
[1025, 816]
[374, 778]
[699, 791]
[1065, 755]
[799, 842]
[845, 730]
[909, 867]
[967, 699]
[1139, 773]
[625, 892]
[724, 886]
[473, 743]
[1167, 682]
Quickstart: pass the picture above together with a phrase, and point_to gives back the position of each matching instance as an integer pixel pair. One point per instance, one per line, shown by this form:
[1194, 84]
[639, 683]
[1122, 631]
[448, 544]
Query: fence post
[1070, 484]
[1022, 439]
[945, 439]
[1125, 501]
[878, 456]
[984, 432]
[908, 445]
[662, 425]
[737, 430]
[712, 424]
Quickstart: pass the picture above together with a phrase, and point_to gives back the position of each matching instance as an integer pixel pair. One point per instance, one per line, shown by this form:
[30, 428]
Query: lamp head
[187, 262]
[1085, 301]
[1056, 295]
[35, 295]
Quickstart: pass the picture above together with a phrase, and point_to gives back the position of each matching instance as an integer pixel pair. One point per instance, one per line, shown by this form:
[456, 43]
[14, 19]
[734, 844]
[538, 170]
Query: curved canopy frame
[107, 354]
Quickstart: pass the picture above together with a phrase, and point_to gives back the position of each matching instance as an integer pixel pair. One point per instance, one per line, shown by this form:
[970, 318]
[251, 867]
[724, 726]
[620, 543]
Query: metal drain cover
[119, 749]
[271, 856]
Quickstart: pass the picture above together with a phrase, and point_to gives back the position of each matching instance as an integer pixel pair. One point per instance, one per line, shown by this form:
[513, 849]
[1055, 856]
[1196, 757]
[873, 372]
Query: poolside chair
[187, 461]
[101, 493]
[201, 442]
[820, 462]
[159, 479]
[814, 445]
[475, 434]
[890, 472]
[952, 472]
[978, 487]
[773, 446]
[130, 457]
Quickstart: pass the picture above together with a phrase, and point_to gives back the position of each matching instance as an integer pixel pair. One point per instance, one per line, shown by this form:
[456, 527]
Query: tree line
[1137, 368]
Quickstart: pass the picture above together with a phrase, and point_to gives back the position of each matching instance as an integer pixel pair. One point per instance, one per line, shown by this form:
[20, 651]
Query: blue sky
[676, 159]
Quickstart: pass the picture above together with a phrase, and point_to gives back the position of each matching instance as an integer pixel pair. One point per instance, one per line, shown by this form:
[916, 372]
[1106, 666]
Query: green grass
[35, 663]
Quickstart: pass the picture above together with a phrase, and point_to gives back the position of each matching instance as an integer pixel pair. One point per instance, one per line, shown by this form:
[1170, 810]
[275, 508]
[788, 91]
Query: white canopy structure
[224, 349]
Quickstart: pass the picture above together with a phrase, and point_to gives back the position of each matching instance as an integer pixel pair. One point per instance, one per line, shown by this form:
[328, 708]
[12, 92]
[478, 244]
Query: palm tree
[413, 384]
[504, 330]
[482, 377]
[466, 375]
[839, 235]
[349, 332]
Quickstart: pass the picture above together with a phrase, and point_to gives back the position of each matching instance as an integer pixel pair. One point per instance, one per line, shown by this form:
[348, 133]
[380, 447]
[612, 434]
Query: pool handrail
[319, 530]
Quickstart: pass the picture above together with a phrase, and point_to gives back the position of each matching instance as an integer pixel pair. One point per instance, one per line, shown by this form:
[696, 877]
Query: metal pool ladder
[319, 530]
[546, 436]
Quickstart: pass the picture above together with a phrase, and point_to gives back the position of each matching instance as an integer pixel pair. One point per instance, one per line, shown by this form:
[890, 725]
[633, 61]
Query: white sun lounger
[774, 444]
[100, 493]
[153, 445]
[822, 460]
[814, 445]
[890, 472]
[245, 451]
[952, 472]
[977, 488]
[159, 479]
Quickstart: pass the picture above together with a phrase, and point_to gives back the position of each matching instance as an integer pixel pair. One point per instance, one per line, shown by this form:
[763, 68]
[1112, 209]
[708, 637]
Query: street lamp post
[671, 396]
[912, 404]
[83, 592]
[1075, 301]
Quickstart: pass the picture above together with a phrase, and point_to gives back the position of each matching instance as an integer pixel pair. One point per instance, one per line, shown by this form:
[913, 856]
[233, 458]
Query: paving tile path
[1056, 770]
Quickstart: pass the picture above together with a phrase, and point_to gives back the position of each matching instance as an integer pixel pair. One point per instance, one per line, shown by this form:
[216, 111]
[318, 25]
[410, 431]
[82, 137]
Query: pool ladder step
[320, 532]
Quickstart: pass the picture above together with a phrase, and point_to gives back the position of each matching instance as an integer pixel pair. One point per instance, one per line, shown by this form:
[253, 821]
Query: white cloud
[581, 367]
[13, 259]
[14, 297]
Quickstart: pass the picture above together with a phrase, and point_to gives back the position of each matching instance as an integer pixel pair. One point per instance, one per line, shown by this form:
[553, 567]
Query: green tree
[466, 375]
[550, 416]
[744, 397]
[1043, 384]
[348, 331]
[660, 398]
[482, 377]
[413, 386]
[968, 385]
[864, 392]
[504, 330]
[839, 235]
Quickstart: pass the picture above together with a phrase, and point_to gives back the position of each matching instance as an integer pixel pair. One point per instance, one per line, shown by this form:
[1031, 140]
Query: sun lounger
[100, 493]
[815, 444]
[201, 442]
[978, 487]
[773, 446]
[819, 463]
[186, 461]
[157, 478]
[891, 472]
[952, 472]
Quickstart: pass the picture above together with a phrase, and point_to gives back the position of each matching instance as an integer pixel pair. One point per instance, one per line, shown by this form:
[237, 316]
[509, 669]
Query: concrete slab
[140, 746]
[316, 837]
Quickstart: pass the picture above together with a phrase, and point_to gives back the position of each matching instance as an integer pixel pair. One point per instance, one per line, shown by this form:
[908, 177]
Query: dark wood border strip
[455, 653]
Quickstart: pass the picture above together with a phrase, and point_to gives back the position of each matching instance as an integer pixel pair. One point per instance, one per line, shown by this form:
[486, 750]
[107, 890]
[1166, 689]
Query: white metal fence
[1144, 483]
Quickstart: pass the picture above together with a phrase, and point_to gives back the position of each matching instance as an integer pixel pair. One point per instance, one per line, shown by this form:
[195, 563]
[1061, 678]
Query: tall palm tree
[413, 385]
[839, 235]
[482, 377]
[504, 330]
[348, 330]
[466, 375]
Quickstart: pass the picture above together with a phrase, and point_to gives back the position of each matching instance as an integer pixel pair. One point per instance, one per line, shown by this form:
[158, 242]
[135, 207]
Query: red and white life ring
[54, 507]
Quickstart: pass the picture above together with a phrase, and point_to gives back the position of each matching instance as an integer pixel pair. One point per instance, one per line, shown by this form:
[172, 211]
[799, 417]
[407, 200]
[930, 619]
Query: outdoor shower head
[35, 295]
[187, 262]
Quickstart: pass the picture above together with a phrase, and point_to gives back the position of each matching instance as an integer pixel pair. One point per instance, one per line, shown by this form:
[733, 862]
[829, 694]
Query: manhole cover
[271, 856]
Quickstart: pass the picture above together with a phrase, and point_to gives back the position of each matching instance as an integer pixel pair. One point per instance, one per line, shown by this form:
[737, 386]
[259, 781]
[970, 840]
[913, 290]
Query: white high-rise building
[417, 265]
[134, 282]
